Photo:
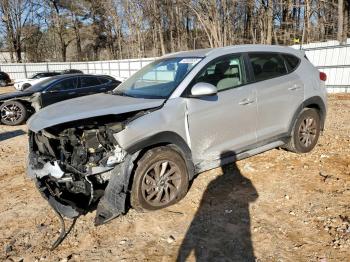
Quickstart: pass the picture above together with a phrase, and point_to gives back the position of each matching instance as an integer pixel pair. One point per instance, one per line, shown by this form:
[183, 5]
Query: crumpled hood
[87, 107]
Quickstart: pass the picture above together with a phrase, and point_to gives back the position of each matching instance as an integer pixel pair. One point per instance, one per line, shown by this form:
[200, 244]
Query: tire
[305, 132]
[149, 190]
[25, 86]
[3, 83]
[13, 113]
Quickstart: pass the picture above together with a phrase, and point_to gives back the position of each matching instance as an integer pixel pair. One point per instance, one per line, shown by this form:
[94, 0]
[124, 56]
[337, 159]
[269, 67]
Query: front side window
[104, 80]
[158, 79]
[267, 65]
[224, 73]
[66, 84]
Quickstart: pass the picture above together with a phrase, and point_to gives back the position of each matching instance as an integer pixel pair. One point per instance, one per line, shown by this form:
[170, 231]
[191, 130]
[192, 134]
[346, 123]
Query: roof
[70, 75]
[234, 49]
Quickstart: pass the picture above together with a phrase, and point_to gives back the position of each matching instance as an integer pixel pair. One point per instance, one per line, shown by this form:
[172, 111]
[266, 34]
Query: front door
[60, 90]
[225, 122]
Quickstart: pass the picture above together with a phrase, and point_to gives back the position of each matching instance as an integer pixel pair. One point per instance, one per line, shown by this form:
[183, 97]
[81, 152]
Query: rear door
[90, 85]
[60, 90]
[225, 122]
[279, 92]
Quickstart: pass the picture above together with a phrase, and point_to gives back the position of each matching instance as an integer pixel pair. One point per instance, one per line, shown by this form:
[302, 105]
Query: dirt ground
[276, 206]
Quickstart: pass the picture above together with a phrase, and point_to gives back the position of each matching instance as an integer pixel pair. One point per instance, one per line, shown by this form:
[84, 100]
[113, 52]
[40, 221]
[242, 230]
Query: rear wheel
[306, 132]
[161, 179]
[2, 83]
[13, 113]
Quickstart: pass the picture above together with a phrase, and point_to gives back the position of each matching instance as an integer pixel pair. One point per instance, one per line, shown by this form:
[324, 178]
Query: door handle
[246, 101]
[295, 87]
[71, 93]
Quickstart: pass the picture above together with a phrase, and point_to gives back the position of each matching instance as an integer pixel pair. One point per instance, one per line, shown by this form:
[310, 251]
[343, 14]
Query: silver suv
[180, 115]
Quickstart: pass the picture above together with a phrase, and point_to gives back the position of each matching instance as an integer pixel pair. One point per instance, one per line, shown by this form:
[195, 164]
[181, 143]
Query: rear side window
[104, 80]
[292, 62]
[87, 81]
[267, 65]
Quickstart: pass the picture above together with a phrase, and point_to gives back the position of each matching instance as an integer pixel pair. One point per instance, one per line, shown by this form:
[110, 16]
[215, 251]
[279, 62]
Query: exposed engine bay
[73, 164]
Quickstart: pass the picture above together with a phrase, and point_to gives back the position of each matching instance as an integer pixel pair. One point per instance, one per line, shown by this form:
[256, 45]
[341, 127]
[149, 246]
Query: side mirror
[203, 89]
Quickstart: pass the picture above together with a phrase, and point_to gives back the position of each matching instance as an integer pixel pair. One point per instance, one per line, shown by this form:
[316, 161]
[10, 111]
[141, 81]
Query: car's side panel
[169, 118]
[223, 122]
[278, 99]
[314, 87]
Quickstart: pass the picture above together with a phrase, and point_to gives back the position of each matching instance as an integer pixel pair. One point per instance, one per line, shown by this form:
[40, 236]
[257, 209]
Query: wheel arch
[163, 139]
[27, 104]
[315, 102]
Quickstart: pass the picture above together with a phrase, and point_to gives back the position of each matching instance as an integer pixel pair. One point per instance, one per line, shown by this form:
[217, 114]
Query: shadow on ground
[220, 230]
[11, 134]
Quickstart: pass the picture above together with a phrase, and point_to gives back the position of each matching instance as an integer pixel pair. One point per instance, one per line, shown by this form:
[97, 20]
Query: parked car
[180, 115]
[22, 84]
[72, 71]
[16, 107]
[4, 79]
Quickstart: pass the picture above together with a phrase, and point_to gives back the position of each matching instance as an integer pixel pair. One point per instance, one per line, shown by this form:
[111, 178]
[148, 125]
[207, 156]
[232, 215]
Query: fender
[313, 102]
[166, 137]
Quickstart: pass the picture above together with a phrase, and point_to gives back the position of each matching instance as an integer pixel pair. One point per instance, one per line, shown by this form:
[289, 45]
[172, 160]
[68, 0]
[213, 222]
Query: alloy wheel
[307, 131]
[161, 183]
[11, 113]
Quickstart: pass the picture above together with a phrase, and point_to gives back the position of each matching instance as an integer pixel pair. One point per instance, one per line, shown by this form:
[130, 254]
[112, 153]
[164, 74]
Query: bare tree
[115, 29]
[15, 15]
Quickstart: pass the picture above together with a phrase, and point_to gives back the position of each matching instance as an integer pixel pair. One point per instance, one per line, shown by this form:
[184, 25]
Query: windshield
[41, 86]
[35, 76]
[158, 79]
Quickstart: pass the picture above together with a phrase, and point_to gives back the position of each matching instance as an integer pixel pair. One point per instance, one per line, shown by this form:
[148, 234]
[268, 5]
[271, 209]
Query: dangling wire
[63, 233]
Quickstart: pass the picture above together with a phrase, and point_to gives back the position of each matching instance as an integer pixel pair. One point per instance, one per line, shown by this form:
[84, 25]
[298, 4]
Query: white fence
[329, 57]
[121, 68]
[333, 59]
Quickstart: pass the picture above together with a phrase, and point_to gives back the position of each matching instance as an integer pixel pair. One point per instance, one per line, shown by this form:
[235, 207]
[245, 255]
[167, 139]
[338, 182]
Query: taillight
[323, 76]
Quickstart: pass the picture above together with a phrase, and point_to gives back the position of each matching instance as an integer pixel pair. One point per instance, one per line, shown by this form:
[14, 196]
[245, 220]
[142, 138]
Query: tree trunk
[77, 40]
[269, 23]
[346, 21]
[340, 21]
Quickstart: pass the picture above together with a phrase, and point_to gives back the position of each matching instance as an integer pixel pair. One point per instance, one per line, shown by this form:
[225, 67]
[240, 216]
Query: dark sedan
[16, 107]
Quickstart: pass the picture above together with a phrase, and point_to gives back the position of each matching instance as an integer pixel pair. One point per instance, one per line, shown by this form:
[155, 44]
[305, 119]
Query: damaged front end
[81, 167]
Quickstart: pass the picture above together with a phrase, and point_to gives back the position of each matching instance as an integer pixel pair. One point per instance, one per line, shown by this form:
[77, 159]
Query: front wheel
[2, 83]
[13, 113]
[306, 132]
[160, 180]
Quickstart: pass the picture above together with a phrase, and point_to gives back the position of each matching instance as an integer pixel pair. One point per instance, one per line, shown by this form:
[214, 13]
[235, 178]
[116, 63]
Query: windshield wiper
[119, 93]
